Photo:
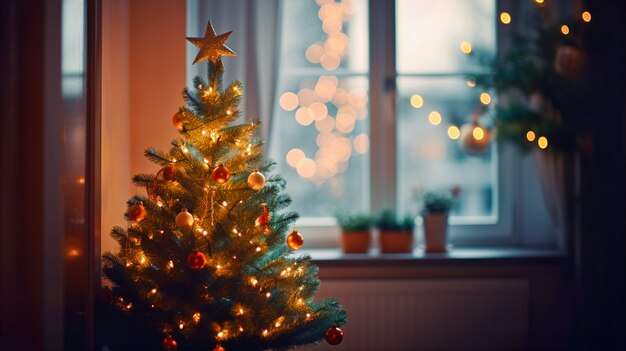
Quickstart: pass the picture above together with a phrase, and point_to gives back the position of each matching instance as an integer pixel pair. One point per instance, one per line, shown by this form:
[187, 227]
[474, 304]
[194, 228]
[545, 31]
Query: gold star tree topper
[212, 46]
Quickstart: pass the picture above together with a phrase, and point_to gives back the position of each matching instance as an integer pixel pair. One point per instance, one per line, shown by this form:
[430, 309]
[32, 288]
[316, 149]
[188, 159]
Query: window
[371, 99]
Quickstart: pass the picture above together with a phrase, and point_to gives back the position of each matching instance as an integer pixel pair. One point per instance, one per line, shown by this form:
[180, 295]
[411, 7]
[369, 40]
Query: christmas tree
[206, 261]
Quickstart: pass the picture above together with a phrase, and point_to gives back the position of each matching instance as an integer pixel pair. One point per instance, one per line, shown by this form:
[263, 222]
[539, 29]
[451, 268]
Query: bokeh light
[505, 18]
[434, 118]
[361, 143]
[454, 132]
[294, 156]
[288, 101]
[530, 135]
[485, 98]
[478, 133]
[417, 101]
[565, 29]
[466, 47]
[542, 142]
[586, 16]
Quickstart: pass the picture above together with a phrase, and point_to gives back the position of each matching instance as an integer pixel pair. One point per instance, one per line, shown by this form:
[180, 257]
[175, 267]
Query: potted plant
[436, 206]
[396, 234]
[355, 232]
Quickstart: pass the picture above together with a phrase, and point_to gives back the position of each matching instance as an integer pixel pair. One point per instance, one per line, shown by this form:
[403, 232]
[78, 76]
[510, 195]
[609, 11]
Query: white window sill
[464, 254]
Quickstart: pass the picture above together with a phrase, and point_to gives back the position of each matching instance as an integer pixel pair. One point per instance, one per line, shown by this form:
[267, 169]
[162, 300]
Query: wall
[143, 73]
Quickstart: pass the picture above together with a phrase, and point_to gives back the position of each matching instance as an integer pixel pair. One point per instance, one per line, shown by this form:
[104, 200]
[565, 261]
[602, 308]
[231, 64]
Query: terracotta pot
[355, 242]
[396, 242]
[436, 232]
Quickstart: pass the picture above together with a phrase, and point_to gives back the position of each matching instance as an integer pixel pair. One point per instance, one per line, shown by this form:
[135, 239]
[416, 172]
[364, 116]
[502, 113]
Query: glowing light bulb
[454, 132]
[205, 233]
[530, 135]
[218, 266]
[542, 142]
[471, 82]
[505, 18]
[485, 98]
[224, 203]
[565, 29]
[154, 291]
[417, 101]
[240, 311]
[220, 334]
[203, 132]
[478, 133]
[170, 264]
[434, 118]
[277, 324]
[466, 47]
[181, 326]
[268, 294]
[196, 317]
[308, 315]
[258, 249]
[253, 281]
[265, 332]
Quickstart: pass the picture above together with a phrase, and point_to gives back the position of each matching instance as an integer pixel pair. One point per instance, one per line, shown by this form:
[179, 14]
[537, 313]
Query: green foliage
[154, 289]
[543, 76]
[354, 223]
[389, 220]
[437, 202]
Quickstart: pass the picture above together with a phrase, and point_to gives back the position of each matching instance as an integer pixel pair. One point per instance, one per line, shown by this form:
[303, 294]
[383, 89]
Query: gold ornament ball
[474, 139]
[184, 219]
[220, 174]
[256, 180]
[295, 240]
[178, 121]
[137, 212]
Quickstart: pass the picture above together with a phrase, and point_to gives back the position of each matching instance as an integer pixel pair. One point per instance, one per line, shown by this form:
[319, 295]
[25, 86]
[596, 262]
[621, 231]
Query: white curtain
[254, 39]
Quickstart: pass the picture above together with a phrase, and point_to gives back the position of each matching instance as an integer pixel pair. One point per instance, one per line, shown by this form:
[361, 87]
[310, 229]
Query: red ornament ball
[220, 174]
[169, 173]
[334, 335]
[196, 260]
[178, 121]
[295, 240]
[169, 344]
[219, 348]
[264, 218]
[137, 212]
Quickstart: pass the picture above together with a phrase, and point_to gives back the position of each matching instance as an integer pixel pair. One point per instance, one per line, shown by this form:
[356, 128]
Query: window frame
[324, 232]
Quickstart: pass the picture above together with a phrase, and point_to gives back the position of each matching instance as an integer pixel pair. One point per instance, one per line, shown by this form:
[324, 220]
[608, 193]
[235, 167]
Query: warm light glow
[417, 101]
[288, 101]
[196, 317]
[258, 249]
[277, 324]
[505, 18]
[326, 87]
[220, 334]
[142, 260]
[154, 291]
[181, 326]
[478, 133]
[453, 132]
[326, 125]
[240, 311]
[434, 118]
[466, 47]
[314, 53]
[361, 143]
[308, 315]
[185, 149]
[471, 82]
[229, 112]
[218, 267]
[170, 264]
[306, 97]
[539, 1]
[203, 132]
[542, 142]
[330, 61]
[253, 281]
[586, 16]
[565, 29]
[306, 168]
[294, 156]
[80, 180]
[265, 332]
[73, 253]
[318, 111]
[268, 294]
[304, 116]
[205, 233]
[224, 203]
[530, 135]
[485, 98]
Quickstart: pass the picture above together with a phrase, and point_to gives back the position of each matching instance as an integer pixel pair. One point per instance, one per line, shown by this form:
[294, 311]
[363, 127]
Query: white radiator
[450, 314]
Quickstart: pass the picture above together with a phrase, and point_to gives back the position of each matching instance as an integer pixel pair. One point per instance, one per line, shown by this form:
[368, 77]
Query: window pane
[429, 33]
[428, 156]
[320, 134]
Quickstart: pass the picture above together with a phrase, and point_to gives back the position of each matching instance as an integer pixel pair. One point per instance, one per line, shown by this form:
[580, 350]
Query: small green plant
[390, 221]
[437, 202]
[354, 223]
